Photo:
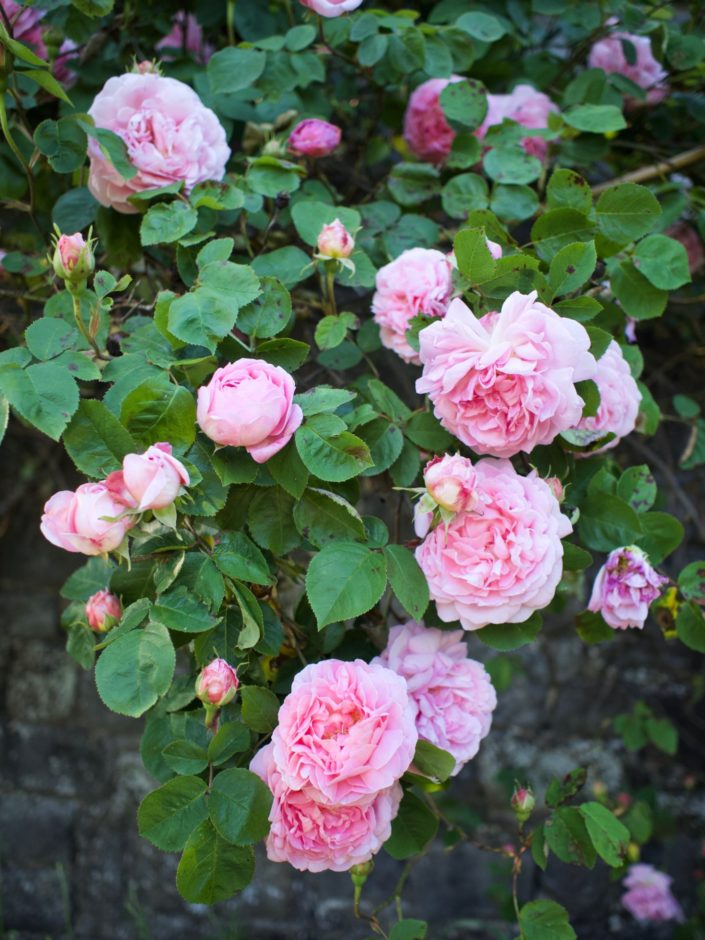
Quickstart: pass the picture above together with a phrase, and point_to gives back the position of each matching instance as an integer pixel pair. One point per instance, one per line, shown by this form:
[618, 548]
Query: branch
[656, 169]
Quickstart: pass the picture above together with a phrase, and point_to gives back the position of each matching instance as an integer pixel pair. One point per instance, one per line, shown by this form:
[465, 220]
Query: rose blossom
[73, 258]
[81, 521]
[345, 732]
[314, 138]
[331, 7]
[155, 477]
[624, 587]
[505, 383]
[649, 896]
[426, 130]
[690, 240]
[217, 683]
[418, 282]
[619, 399]
[527, 107]
[451, 484]
[100, 607]
[170, 136]
[453, 695]
[312, 836]
[249, 403]
[186, 34]
[608, 54]
[503, 562]
[335, 241]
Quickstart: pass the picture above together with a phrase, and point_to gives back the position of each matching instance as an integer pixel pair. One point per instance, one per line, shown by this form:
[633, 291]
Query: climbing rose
[335, 241]
[453, 695]
[426, 130]
[527, 107]
[185, 35]
[504, 383]
[217, 683]
[503, 562]
[85, 521]
[249, 403]
[314, 138]
[608, 54]
[451, 484]
[102, 608]
[170, 137]
[648, 896]
[418, 282]
[345, 732]
[154, 478]
[331, 7]
[619, 399]
[692, 243]
[312, 836]
[624, 587]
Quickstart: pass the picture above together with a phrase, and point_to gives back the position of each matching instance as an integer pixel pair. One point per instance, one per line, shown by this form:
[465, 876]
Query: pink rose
[103, 609]
[185, 35]
[418, 282]
[345, 732]
[217, 683]
[453, 695]
[624, 588]
[451, 484]
[649, 896]
[249, 403]
[503, 562]
[527, 107]
[314, 138]
[312, 836]
[334, 241]
[608, 54]
[27, 28]
[155, 477]
[331, 7]
[504, 383]
[619, 400]
[85, 521]
[73, 258]
[426, 130]
[690, 240]
[170, 136]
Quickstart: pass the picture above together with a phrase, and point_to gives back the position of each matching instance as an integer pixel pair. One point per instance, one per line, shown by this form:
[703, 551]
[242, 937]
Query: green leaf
[237, 556]
[626, 212]
[321, 517]
[330, 332]
[568, 838]
[412, 829]
[609, 836]
[230, 738]
[63, 142]
[260, 708]
[96, 441]
[663, 261]
[185, 757]
[287, 353]
[344, 581]
[158, 410]
[432, 761]
[569, 190]
[409, 929]
[407, 580]
[113, 148]
[167, 222]
[465, 103]
[270, 520]
[424, 430]
[290, 264]
[571, 267]
[46, 81]
[663, 734]
[473, 256]
[135, 670]
[560, 227]
[212, 869]
[559, 791]
[86, 580]
[638, 296]
[330, 451]
[595, 118]
[168, 816]
[239, 806]
[48, 337]
[637, 487]
[511, 164]
[662, 534]
[482, 26]
[270, 176]
[691, 581]
[43, 394]
[385, 441]
[463, 193]
[413, 183]
[288, 470]
[592, 628]
[606, 522]
[269, 313]
[179, 610]
[510, 636]
[545, 920]
[310, 216]
[690, 626]
[232, 69]
[575, 558]
[514, 203]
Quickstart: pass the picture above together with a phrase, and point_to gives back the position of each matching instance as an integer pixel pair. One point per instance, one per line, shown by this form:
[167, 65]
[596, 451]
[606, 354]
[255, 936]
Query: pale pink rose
[155, 477]
[619, 400]
[345, 732]
[103, 609]
[335, 241]
[169, 134]
[426, 130]
[85, 521]
[314, 138]
[217, 683]
[418, 282]
[502, 562]
[249, 403]
[331, 7]
[505, 383]
[185, 35]
[624, 588]
[649, 897]
[527, 107]
[608, 54]
[313, 836]
[453, 696]
[692, 243]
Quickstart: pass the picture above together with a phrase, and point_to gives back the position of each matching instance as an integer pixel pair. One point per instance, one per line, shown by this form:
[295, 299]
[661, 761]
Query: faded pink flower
[314, 138]
[619, 400]
[103, 609]
[505, 383]
[155, 477]
[691, 241]
[649, 897]
[170, 137]
[451, 484]
[624, 588]
[527, 107]
[217, 683]
[608, 54]
[335, 241]
[503, 562]
[249, 403]
[331, 7]
[185, 35]
[85, 521]
[426, 130]
[345, 732]
[418, 282]
[453, 696]
[313, 836]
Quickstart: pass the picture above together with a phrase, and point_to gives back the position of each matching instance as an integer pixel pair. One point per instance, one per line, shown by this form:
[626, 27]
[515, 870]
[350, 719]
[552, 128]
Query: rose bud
[103, 611]
[87, 521]
[217, 684]
[73, 258]
[155, 477]
[314, 138]
[452, 482]
[624, 588]
[334, 241]
[523, 802]
[556, 488]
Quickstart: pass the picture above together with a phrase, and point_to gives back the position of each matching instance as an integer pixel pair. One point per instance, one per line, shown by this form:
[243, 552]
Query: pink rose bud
[624, 588]
[87, 521]
[314, 138]
[154, 478]
[334, 241]
[523, 802]
[103, 611]
[452, 482]
[217, 684]
[331, 8]
[73, 258]
[556, 488]
[148, 67]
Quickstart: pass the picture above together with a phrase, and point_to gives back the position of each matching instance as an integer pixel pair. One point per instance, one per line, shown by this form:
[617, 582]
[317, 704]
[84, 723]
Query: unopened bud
[556, 488]
[523, 803]
[103, 610]
[73, 258]
[334, 241]
[148, 67]
[217, 684]
[360, 873]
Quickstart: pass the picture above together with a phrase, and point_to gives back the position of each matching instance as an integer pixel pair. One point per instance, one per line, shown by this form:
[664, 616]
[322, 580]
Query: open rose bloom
[154, 478]
[185, 35]
[624, 588]
[90, 521]
[619, 399]
[648, 896]
[527, 107]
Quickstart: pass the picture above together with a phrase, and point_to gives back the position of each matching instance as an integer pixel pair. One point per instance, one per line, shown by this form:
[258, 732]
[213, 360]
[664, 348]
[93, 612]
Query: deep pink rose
[648, 896]
[426, 130]
[81, 521]
[345, 732]
[619, 399]
[335, 241]
[170, 136]
[418, 282]
[691, 241]
[314, 138]
[185, 35]
[505, 383]
[312, 836]
[451, 484]
[453, 696]
[155, 477]
[331, 7]
[249, 403]
[624, 587]
[502, 562]
[217, 683]
[103, 609]
[608, 54]
[527, 107]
